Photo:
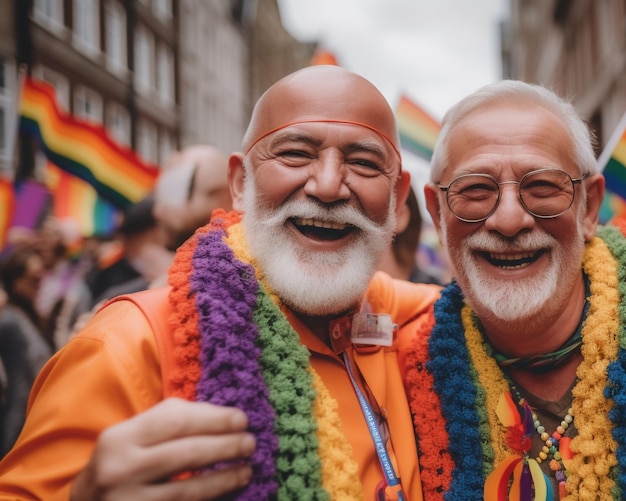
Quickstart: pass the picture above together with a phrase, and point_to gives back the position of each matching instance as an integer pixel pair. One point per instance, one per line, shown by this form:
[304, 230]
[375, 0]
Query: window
[118, 124]
[165, 74]
[115, 31]
[162, 9]
[144, 60]
[49, 13]
[147, 141]
[60, 83]
[87, 26]
[166, 146]
[88, 105]
[7, 115]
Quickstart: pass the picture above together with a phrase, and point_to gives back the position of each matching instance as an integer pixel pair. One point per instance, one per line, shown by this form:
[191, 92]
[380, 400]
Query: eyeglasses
[544, 193]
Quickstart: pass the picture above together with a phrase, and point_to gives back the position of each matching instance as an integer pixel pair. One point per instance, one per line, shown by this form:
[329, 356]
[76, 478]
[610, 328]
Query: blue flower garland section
[616, 370]
[454, 383]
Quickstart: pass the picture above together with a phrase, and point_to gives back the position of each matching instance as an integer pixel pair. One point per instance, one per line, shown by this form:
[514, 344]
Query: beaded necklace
[455, 386]
[555, 447]
[514, 412]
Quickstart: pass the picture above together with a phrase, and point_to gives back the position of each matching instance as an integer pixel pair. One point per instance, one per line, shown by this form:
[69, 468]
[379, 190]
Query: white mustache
[306, 209]
[526, 242]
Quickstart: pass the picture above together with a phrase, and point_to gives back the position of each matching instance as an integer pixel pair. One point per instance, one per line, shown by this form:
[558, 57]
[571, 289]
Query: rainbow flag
[73, 198]
[418, 130]
[7, 209]
[84, 149]
[612, 163]
[32, 201]
[323, 56]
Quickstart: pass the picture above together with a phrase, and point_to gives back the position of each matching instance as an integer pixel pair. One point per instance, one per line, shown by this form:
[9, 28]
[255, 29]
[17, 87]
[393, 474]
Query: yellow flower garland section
[589, 471]
[491, 379]
[594, 446]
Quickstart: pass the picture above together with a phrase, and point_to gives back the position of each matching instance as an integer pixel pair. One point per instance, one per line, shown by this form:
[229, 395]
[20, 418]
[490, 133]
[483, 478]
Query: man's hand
[137, 458]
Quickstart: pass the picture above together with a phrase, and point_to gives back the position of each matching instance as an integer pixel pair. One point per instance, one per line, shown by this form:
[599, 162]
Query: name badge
[372, 329]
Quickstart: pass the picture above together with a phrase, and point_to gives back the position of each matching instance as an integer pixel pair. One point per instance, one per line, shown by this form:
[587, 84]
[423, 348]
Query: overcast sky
[434, 51]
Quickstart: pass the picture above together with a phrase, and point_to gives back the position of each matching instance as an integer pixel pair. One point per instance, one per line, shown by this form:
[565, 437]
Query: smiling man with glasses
[520, 384]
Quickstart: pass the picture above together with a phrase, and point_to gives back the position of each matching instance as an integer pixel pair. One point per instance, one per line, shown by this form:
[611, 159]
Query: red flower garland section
[184, 319]
[436, 464]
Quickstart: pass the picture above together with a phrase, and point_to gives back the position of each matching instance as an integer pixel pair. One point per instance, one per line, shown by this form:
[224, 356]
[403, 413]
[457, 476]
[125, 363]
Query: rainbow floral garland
[234, 347]
[454, 384]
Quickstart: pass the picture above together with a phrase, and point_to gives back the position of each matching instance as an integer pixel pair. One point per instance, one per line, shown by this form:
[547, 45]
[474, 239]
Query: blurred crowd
[52, 279]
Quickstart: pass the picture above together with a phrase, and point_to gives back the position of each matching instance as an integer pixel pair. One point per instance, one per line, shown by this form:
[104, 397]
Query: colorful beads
[550, 451]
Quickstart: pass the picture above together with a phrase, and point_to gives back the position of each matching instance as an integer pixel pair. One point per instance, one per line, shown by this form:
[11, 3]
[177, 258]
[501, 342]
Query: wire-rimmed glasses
[544, 193]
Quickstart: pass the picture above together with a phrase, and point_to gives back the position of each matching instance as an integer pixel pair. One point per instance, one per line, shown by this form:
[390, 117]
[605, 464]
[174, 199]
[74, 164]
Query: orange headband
[330, 120]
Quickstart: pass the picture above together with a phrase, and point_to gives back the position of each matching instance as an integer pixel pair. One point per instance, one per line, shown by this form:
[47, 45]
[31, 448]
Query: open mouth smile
[322, 230]
[512, 261]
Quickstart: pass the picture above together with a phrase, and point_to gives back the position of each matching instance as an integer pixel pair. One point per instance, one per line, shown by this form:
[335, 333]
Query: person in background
[63, 290]
[400, 260]
[192, 185]
[523, 376]
[142, 257]
[268, 368]
[23, 349]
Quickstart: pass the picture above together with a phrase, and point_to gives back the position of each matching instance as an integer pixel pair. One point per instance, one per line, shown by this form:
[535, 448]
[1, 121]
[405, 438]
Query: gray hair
[515, 91]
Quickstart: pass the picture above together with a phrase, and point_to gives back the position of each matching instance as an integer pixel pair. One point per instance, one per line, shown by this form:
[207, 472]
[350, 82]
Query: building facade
[158, 74]
[230, 53]
[576, 47]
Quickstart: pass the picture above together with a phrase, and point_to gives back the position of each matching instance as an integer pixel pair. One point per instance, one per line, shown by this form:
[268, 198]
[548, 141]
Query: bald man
[193, 184]
[267, 369]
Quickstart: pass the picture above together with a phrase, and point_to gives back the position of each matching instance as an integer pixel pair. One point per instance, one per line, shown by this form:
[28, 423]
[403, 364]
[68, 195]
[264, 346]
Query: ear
[595, 193]
[431, 198]
[403, 185]
[236, 179]
[402, 219]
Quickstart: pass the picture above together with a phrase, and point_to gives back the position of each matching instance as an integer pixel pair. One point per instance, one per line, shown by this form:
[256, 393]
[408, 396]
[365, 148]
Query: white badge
[372, 329]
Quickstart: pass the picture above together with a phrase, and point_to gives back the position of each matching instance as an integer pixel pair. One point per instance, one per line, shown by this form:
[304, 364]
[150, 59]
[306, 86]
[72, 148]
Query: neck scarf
[235, 347]
[454, 384]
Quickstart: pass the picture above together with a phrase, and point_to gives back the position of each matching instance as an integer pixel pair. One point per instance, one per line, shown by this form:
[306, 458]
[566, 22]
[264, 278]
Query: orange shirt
[111, 371]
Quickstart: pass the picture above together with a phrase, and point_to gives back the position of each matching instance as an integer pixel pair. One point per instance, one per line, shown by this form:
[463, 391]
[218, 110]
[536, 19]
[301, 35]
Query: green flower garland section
[315, 459]
[284, 363]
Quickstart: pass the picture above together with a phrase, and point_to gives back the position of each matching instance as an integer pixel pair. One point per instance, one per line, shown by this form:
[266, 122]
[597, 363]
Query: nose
[327, 178]
[510, 216]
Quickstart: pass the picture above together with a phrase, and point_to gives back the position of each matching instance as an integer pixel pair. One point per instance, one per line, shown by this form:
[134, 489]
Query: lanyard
[370, 418]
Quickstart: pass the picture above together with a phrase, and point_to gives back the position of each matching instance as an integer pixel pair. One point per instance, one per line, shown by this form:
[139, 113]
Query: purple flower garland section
[225, 297]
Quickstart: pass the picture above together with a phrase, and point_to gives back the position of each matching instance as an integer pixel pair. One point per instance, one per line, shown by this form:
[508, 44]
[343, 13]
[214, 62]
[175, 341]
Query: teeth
[512, 257]
[320, 224]
[514, 267]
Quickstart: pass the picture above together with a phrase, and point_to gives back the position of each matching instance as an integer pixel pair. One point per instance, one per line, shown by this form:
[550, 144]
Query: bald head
[194, 182]
[321, 94]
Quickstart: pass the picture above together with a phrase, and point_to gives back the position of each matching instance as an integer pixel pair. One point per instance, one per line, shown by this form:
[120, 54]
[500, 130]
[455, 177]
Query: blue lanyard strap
[370, 418]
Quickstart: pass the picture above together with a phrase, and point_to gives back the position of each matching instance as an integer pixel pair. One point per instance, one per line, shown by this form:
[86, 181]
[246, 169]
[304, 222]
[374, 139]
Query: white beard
[314, 282]
[524, 298]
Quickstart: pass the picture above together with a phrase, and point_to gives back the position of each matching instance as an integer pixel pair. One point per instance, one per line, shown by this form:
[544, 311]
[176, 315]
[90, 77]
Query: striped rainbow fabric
[73, 198]
[612, 162]
[418, 130]
[7, 208]
[84, 149]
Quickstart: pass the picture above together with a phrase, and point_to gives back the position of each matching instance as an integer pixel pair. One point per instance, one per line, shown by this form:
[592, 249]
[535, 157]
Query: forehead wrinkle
[364, 145]
[287, 136]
